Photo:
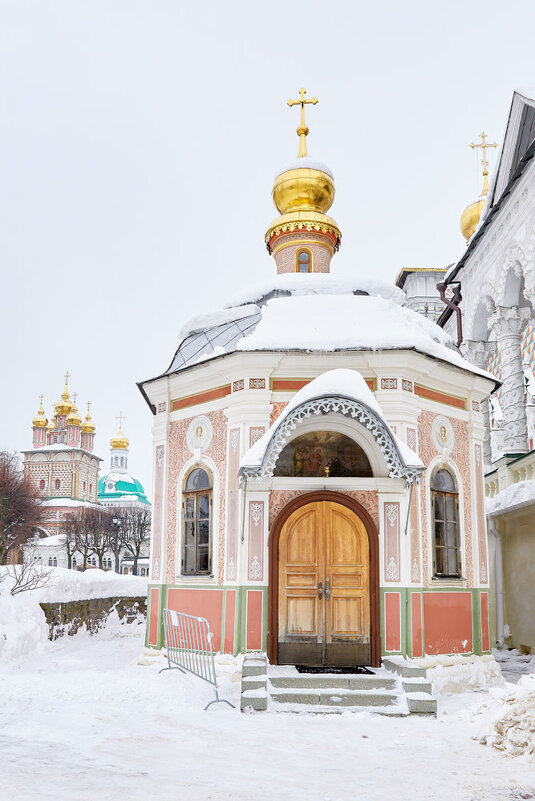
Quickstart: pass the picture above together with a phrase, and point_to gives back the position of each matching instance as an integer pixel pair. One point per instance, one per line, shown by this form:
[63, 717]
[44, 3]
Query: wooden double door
[324, 587]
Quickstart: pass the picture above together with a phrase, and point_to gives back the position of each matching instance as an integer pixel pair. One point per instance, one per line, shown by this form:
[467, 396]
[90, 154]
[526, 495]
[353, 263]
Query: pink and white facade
[357, 368]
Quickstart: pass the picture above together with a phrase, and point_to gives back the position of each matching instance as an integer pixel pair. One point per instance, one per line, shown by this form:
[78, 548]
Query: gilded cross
[74, 397]
[67, 376]
[41, 398]
[484, 161]
[302, 130]
[88, 409]
[120, 418]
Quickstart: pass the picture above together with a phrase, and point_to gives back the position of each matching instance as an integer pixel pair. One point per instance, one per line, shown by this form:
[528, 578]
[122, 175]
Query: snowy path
[83, 721]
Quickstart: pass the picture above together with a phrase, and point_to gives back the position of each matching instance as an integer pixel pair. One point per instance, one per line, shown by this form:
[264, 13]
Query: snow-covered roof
[315, 312]
[336, 384]
[60, 446]
[69, 502]
[511, 498]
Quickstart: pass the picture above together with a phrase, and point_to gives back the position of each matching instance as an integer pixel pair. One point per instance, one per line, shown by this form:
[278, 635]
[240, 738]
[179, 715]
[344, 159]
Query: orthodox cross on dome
[484, 161]
[67, 376]
[120, 418]
[89, 410]
[41, 398]
[74, 397]
[302, 130]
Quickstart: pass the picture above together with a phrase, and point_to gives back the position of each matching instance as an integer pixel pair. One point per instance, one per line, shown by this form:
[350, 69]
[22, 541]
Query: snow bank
[23, 627]
[507, 720]
[74, 585]
[510, 498]
[458, 674]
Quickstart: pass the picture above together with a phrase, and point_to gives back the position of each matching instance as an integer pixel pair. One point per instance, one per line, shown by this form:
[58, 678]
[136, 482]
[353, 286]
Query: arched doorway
[323, 590]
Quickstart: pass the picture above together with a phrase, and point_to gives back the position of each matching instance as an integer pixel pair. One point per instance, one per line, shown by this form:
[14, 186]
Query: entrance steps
[282, 689]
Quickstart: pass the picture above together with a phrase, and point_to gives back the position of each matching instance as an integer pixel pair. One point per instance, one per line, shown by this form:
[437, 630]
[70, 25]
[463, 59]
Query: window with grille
[197, 531]
[445, 502]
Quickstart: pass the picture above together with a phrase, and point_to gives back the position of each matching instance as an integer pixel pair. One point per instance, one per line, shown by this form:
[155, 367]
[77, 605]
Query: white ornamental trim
[392, 573]
[349, 408]
[257, 510]
[255, 569]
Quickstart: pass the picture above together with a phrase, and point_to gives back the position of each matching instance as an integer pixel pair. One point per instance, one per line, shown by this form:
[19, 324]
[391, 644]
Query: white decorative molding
[255, 569]
[415, 571]
[231, 569]
[483, 573]
[349, 408]
[391, 512]
[257, 510]
[392, 572]
[234, 439]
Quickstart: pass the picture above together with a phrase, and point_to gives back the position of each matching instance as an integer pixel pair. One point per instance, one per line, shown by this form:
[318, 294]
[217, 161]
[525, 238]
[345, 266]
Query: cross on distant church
[484, 161]
[67, 376]
[88, 407]
[302, 130]
[41, 398]
[74, 396]
[120, 418]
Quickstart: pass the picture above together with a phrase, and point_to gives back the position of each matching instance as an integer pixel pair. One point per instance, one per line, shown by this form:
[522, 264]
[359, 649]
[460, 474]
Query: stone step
[254, 699]
[254, 667]
[343, 698]
[417, 686]
[359, 682]
[254, 682]
[421, 704]
[404, 668]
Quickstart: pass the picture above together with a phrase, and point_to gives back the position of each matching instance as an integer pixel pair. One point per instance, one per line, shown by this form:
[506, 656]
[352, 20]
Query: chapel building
[318, 462]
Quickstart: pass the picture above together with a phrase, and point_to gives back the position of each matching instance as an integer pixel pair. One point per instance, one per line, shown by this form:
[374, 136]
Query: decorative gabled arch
[349, 408]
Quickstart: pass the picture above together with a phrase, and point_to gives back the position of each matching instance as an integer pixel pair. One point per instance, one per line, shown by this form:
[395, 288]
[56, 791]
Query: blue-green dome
[119, 485]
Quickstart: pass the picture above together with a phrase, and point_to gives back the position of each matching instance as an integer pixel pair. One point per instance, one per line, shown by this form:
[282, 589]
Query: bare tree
[100, 532]
[30, 575]
[83, 535]
[134, 533]
[71, 529]
[20, 507]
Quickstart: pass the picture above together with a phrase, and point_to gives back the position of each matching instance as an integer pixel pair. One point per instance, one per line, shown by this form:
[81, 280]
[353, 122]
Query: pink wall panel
[153, 620]
[480, 512]
[232, 530]
[416, 624]
[230, 617]
[392, 621]
[485, 621]
[256, 541]
[415, 530]
[201, 603]
[392, 560]
[448, 622]
[254, 620]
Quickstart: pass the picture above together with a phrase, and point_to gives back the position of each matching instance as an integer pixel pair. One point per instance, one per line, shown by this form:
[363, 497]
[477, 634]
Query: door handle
[320, 590]
[327, 589]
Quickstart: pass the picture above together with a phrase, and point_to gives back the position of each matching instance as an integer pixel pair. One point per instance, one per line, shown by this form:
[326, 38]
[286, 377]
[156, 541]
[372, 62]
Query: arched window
[122, 461]
[445, 501]
[50, 561]
[74, 563]
[55, 562]
[303, 261]
[57, 484]
[197, 509]
[42, 484]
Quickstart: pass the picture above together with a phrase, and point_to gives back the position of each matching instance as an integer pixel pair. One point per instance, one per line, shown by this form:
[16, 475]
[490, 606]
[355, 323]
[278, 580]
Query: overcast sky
[138, 145]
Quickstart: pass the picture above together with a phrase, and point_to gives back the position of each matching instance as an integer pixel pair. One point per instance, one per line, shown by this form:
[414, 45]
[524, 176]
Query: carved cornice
[349, 408]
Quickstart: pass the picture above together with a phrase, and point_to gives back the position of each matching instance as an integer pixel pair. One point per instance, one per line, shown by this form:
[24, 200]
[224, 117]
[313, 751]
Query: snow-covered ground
[81, 719]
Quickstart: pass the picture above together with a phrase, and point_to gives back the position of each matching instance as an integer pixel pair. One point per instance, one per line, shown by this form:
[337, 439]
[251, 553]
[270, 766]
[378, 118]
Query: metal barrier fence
[188, 641]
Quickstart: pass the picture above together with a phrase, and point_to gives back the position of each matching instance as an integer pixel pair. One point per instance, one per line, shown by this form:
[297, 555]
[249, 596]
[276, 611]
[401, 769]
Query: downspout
[442, 286]
[500, 630]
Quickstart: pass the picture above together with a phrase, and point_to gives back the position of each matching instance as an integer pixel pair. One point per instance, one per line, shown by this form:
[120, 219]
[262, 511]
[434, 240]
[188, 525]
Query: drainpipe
[499, 581]
[442, 286]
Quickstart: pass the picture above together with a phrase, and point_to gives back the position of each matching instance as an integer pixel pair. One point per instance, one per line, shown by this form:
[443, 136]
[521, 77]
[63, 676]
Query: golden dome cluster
[64, 407]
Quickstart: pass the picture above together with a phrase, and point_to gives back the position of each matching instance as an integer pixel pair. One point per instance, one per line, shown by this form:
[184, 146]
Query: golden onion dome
[52, 424]
[119, 440]
[74, 419]
[88, 426]
[305, 185]
[40, 421]
[65, 405]
[470, 218]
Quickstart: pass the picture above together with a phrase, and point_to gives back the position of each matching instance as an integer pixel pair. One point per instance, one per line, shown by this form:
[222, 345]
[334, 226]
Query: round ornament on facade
[443, 434]
[199, 434]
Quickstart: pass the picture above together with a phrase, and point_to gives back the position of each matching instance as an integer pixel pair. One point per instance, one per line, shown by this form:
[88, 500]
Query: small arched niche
[323, 454]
